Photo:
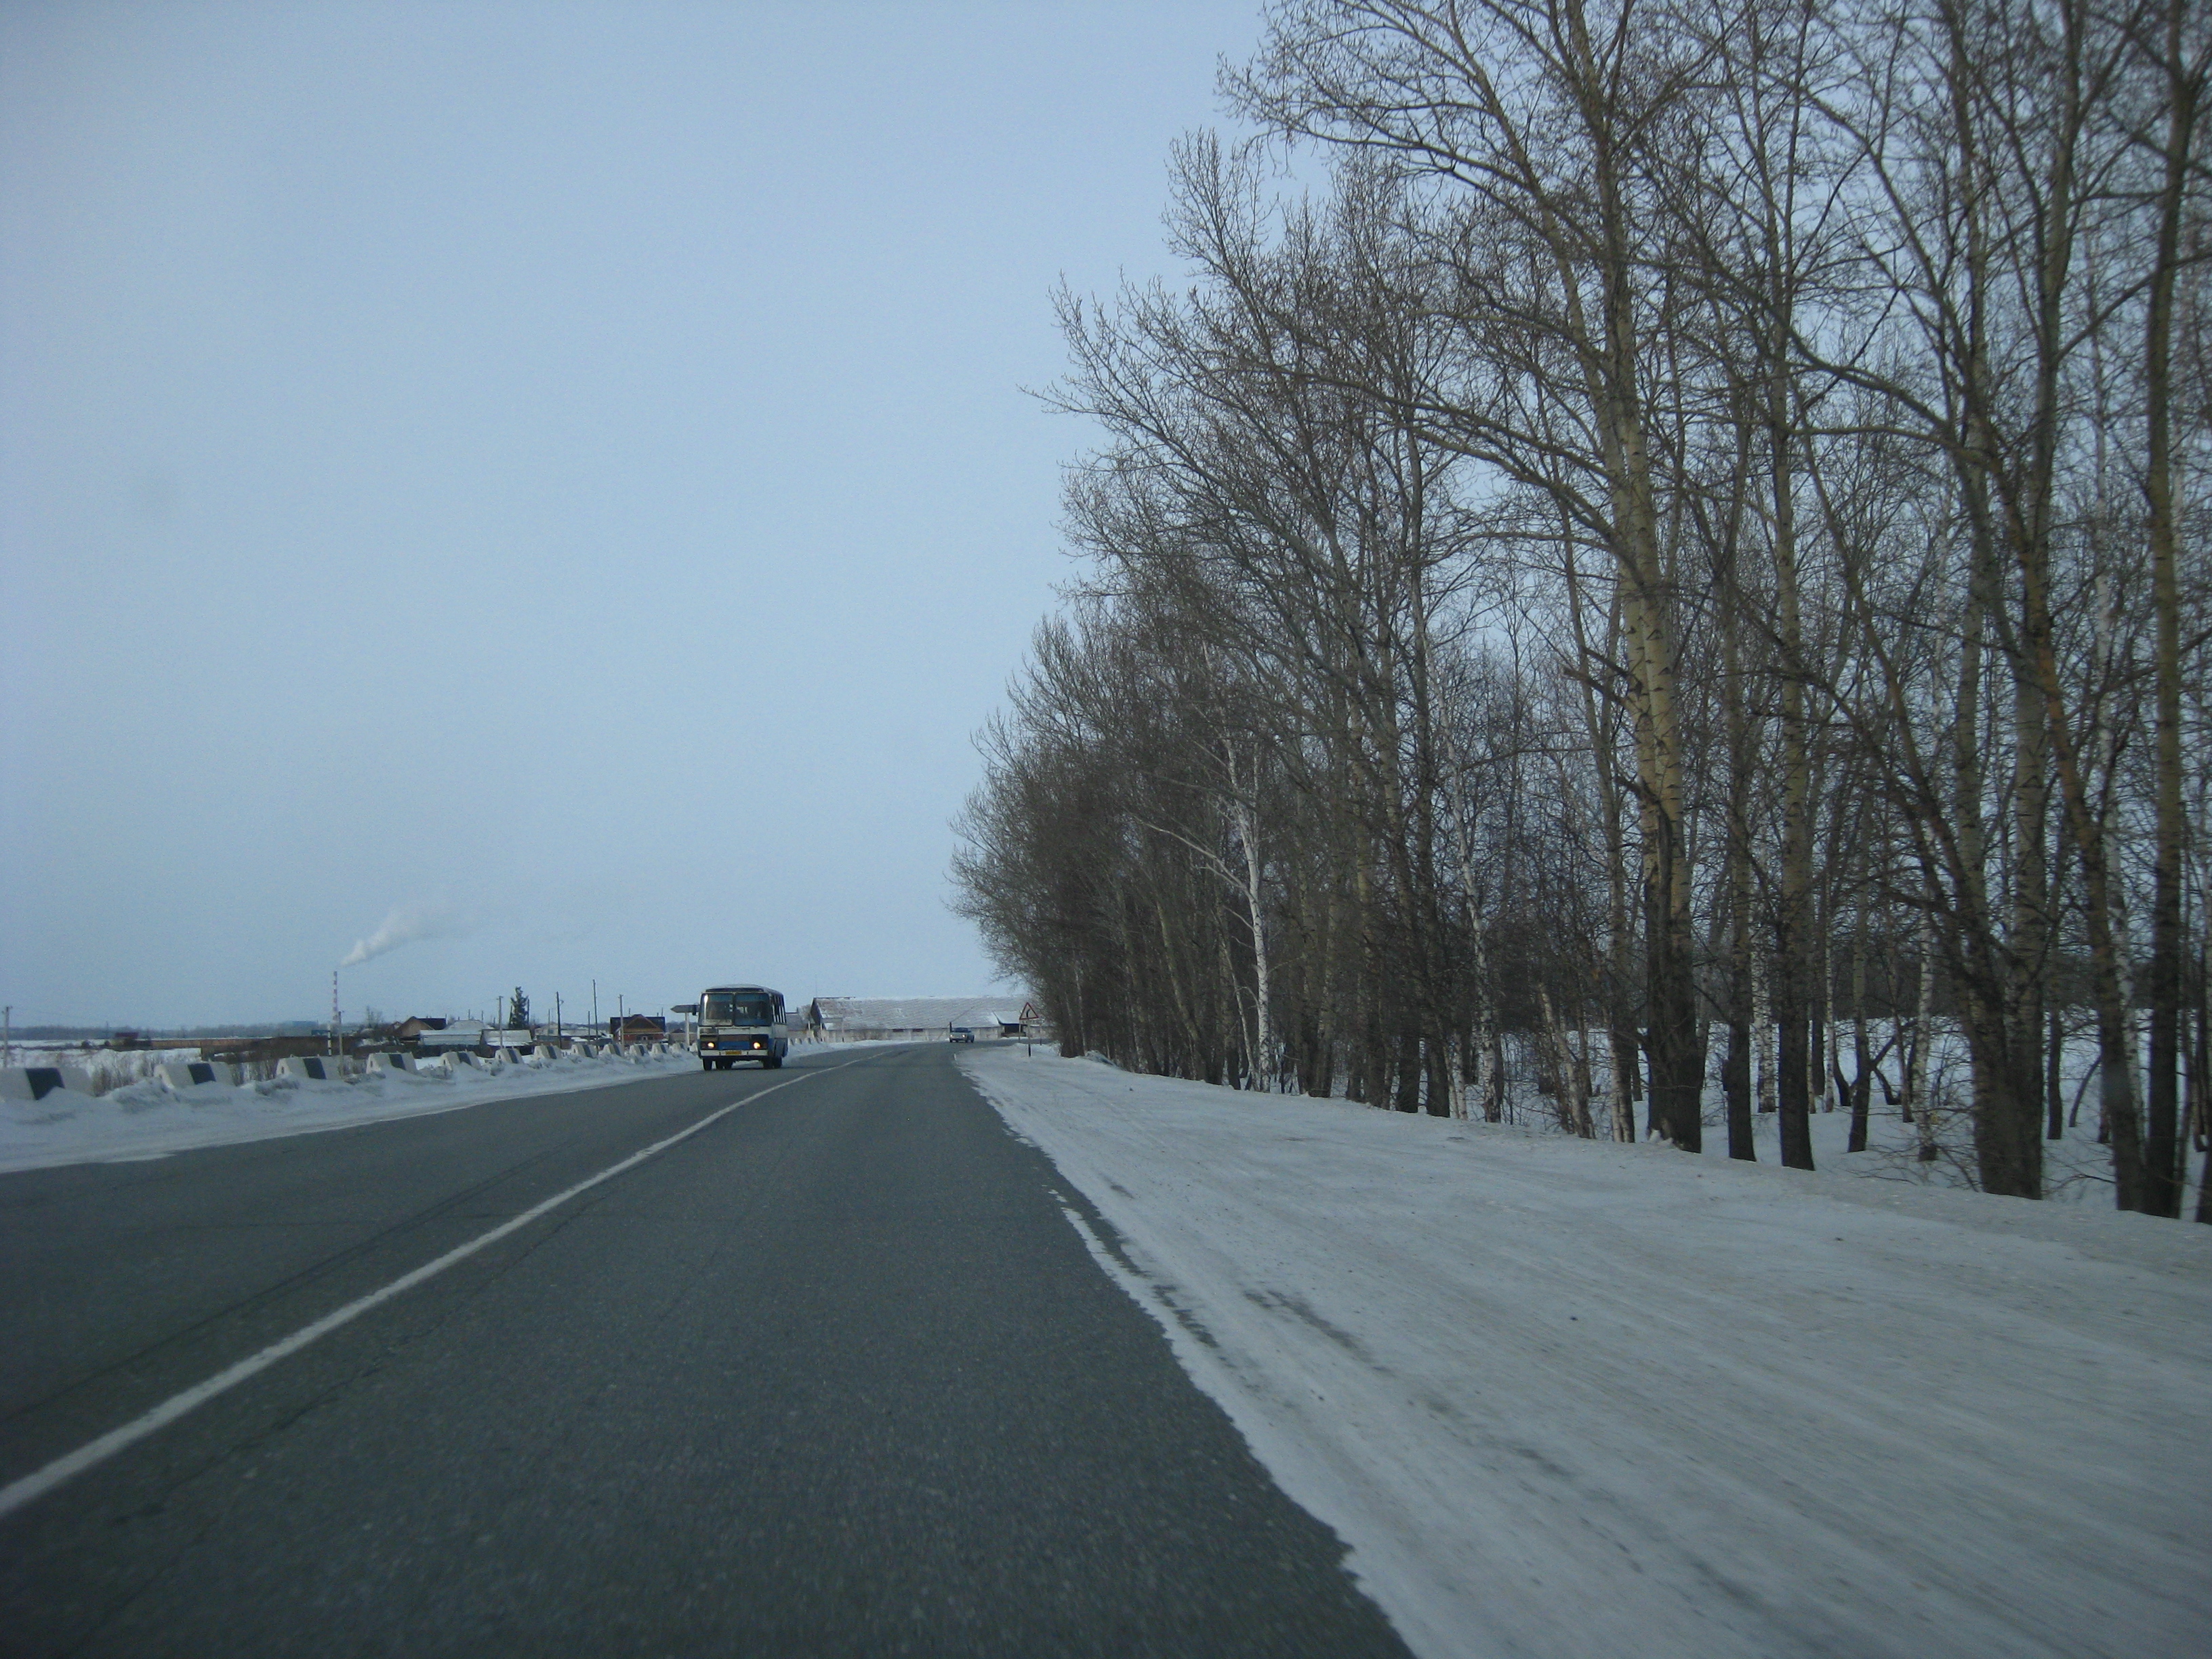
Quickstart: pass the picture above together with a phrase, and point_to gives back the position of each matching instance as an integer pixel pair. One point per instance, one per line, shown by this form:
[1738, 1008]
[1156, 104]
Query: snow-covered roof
[909, 1014]
[992, 1013]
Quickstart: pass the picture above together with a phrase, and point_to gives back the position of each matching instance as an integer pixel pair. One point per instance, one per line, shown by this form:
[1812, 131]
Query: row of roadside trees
[1687, 549]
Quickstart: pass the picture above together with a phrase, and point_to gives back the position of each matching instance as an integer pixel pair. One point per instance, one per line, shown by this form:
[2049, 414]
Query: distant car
[961, 1034]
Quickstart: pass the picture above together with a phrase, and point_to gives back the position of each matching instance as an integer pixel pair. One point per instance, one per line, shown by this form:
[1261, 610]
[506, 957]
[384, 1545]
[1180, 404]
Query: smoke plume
[417, 919]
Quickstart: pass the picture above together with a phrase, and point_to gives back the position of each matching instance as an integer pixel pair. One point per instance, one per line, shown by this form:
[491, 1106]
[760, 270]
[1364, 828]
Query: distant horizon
[57, 1028]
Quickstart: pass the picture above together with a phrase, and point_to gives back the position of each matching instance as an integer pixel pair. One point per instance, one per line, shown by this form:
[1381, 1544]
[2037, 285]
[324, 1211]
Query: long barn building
[858, 1019]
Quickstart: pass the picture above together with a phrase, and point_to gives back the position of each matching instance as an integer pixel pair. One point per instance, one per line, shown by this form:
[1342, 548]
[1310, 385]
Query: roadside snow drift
[151, 1118]
[1565, 1398]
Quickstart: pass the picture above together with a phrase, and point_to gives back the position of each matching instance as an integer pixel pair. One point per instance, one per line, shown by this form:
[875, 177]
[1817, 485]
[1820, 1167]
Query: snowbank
[147, 1119]
[1566, 1397]
[103, 1068]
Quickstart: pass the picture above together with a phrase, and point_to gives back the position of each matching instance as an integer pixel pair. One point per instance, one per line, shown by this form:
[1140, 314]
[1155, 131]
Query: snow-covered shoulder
[1566, 1397]
[148, 1119]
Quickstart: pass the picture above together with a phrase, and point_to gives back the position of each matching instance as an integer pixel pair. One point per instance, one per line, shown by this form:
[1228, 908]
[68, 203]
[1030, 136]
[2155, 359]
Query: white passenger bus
[740, 1022]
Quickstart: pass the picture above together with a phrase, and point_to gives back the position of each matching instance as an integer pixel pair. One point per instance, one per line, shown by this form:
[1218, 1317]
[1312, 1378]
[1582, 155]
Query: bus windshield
[729, 1008]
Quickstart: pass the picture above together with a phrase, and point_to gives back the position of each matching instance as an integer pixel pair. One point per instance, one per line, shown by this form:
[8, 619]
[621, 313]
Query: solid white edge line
[33, 1486]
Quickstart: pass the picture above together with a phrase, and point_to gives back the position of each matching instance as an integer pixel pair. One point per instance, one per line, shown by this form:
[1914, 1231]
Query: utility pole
[595, 1005]
[557, 1016]
[8, 1034]
[334, 1011]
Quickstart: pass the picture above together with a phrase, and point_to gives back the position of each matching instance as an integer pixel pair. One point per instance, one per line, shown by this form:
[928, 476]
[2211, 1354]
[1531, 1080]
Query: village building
[447, 1033]
[914, 1019]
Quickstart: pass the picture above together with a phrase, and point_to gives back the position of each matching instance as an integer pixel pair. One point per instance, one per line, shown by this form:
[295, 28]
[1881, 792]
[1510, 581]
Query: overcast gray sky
[559, 473]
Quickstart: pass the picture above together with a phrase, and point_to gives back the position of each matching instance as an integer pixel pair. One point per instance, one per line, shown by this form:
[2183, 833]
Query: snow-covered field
[146, 1119]
[1566, 1397]
[2077, 1169]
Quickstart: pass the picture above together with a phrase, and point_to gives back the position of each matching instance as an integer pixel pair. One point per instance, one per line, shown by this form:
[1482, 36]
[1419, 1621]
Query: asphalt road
[833, 1374]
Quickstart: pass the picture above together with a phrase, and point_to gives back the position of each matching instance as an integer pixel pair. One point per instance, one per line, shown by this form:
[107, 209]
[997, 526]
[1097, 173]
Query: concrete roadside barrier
[385, 1065]
[544, 1053]
[37, 1082]
[460, 1060]
[183, 1077]
[312, 1068]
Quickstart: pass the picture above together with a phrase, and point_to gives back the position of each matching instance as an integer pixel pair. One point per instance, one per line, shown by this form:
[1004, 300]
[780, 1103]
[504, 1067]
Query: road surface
[832, 1374]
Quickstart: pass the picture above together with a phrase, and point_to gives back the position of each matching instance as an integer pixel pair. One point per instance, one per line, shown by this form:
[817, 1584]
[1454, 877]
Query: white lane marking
[33, 1486]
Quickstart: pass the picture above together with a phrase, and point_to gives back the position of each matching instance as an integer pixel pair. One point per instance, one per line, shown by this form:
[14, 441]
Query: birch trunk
[2164, 1152]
